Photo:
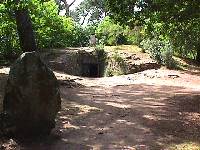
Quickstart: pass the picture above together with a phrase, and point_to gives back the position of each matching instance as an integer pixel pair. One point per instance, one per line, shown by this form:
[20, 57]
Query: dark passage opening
[94, 70]
[90, 70]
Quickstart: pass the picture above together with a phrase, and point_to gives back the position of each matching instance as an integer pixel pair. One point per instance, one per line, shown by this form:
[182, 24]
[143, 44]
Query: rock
[173, 76]
[70, 83]
[10, 145]
[32, 98]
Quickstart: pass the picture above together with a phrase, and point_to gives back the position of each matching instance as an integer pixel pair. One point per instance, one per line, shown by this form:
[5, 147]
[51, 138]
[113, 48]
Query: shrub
[110, 33]
[102, 55]
[80, 36]
[153, 47]
[116, 65]
[160, 50]
[133, 36]
[9, 42]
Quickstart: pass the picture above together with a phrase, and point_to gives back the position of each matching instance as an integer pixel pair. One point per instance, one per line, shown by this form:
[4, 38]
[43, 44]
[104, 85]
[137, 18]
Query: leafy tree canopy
[89, 11]
[177, 21]
[51, 30]
[168, 11]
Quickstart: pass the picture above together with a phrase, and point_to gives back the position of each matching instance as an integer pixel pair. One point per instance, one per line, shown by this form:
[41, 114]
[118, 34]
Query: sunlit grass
[127, 48]
[186, 64]
[185, 146]
[181, 64]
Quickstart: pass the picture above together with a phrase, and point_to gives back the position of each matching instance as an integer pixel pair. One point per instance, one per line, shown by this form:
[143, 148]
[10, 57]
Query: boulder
[32, 98]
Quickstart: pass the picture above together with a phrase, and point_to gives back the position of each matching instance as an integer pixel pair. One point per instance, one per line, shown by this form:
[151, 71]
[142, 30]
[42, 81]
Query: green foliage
[154, 47]
[51, 30]
[109, 72]
[134, 36]
[9, 42]
[160, 50]
[179, 21]
[110, 33]
[186, 38]
[80, 36]
[100, 52]
[116, 65]
[183, 36]
[99, 47]
[168, 60]
[117, 58]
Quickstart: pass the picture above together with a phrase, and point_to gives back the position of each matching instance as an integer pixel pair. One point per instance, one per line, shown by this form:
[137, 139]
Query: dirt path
[149, 110]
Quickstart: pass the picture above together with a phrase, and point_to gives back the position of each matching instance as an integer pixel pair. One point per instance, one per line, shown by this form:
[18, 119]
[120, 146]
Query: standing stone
[93, 40]
[32, 98]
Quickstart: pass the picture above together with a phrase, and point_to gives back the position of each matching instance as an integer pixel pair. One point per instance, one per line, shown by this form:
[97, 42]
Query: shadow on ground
[125, 117]
[121, 117]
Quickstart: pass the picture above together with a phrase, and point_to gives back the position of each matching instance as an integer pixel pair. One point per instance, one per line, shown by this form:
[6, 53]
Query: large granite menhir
[32, 98]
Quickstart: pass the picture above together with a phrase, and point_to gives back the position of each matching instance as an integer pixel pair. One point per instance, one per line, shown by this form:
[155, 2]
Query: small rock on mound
[32, 98]
[10, 145]
[70, 83]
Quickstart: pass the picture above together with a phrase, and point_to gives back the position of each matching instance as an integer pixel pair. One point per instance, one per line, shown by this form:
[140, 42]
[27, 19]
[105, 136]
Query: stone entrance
[90, 70]
[86, 63]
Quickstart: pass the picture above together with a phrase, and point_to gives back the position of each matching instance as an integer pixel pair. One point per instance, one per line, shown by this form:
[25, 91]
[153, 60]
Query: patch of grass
[117, 48]
[185, 146]
[127, 48]
[186, 64]
[117, 58]
[109, 72]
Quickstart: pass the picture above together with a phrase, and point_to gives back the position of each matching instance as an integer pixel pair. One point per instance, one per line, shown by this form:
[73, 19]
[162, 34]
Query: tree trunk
[25, 30]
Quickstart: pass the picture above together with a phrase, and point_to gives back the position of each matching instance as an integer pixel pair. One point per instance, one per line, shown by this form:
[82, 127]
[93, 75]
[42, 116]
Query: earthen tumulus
[32, 98]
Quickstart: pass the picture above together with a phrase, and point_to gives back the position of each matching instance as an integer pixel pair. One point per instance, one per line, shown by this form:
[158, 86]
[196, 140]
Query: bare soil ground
[149, 110]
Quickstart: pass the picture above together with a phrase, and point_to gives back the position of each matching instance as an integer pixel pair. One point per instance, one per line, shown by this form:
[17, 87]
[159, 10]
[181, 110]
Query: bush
[153, 47]
[80, 37]
[100, 52]
[110, 33]
[9, 42]
[52, 30]
[103, 33]
[160, 50]
[133, 36]
[116, 65]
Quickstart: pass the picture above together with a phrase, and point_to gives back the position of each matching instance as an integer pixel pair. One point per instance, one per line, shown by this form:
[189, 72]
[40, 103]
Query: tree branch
[72, 3]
